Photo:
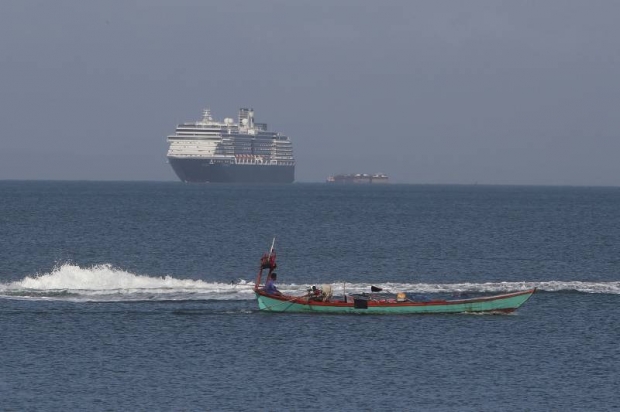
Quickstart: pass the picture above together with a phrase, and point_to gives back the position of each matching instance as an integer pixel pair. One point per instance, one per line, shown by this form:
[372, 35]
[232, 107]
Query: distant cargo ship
[359, 178]
[229, 152]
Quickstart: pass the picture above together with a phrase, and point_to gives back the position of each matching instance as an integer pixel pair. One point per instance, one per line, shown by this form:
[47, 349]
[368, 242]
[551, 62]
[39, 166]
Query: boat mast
[262, 266]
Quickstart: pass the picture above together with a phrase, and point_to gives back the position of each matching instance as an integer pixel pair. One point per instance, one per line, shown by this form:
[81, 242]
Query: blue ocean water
[137, 296]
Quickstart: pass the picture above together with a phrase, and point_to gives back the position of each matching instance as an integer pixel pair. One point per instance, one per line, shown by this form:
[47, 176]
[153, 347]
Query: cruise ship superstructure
[227, 152]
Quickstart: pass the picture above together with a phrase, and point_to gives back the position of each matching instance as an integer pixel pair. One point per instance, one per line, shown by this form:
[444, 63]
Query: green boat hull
[505, 303]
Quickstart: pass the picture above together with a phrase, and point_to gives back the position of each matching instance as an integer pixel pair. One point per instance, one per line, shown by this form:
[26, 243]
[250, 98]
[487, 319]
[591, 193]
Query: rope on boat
[289, 301]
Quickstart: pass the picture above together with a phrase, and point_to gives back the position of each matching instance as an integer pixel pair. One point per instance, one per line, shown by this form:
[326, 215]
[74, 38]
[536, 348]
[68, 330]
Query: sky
[428, 92]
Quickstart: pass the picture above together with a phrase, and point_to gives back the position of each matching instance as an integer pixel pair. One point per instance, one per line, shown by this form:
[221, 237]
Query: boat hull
[203, 171]
[505, 303]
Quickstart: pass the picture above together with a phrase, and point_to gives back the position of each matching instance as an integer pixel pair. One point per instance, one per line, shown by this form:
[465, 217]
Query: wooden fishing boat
[377, 303]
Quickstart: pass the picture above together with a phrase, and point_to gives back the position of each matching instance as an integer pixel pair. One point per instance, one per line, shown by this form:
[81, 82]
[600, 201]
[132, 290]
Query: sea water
[138, 296]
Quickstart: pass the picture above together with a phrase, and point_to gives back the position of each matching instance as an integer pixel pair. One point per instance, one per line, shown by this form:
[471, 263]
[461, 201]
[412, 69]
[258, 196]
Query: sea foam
[104, 282]
[107, 283]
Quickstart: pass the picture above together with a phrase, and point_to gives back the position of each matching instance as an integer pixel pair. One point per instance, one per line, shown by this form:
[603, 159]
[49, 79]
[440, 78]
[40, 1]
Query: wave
[104, 283]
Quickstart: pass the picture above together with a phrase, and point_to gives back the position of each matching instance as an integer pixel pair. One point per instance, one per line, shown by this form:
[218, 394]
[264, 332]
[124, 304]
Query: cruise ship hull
[203, 171]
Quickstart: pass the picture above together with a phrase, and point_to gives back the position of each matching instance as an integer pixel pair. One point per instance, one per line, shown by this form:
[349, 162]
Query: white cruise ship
[230, 152]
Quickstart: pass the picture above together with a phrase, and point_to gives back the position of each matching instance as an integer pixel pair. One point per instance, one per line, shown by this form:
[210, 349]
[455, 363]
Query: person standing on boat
[270, 285]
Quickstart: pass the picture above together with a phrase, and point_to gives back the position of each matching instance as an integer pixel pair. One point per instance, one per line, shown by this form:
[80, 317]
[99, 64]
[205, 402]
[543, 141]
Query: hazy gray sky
[497, 92]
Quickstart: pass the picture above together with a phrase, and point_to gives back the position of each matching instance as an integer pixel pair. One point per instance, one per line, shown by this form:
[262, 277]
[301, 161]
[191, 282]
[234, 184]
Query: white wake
[106, 283]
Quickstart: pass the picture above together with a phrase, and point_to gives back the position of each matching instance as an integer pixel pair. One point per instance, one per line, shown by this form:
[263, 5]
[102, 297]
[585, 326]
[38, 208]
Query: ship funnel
[246, 117]
[206, 116]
